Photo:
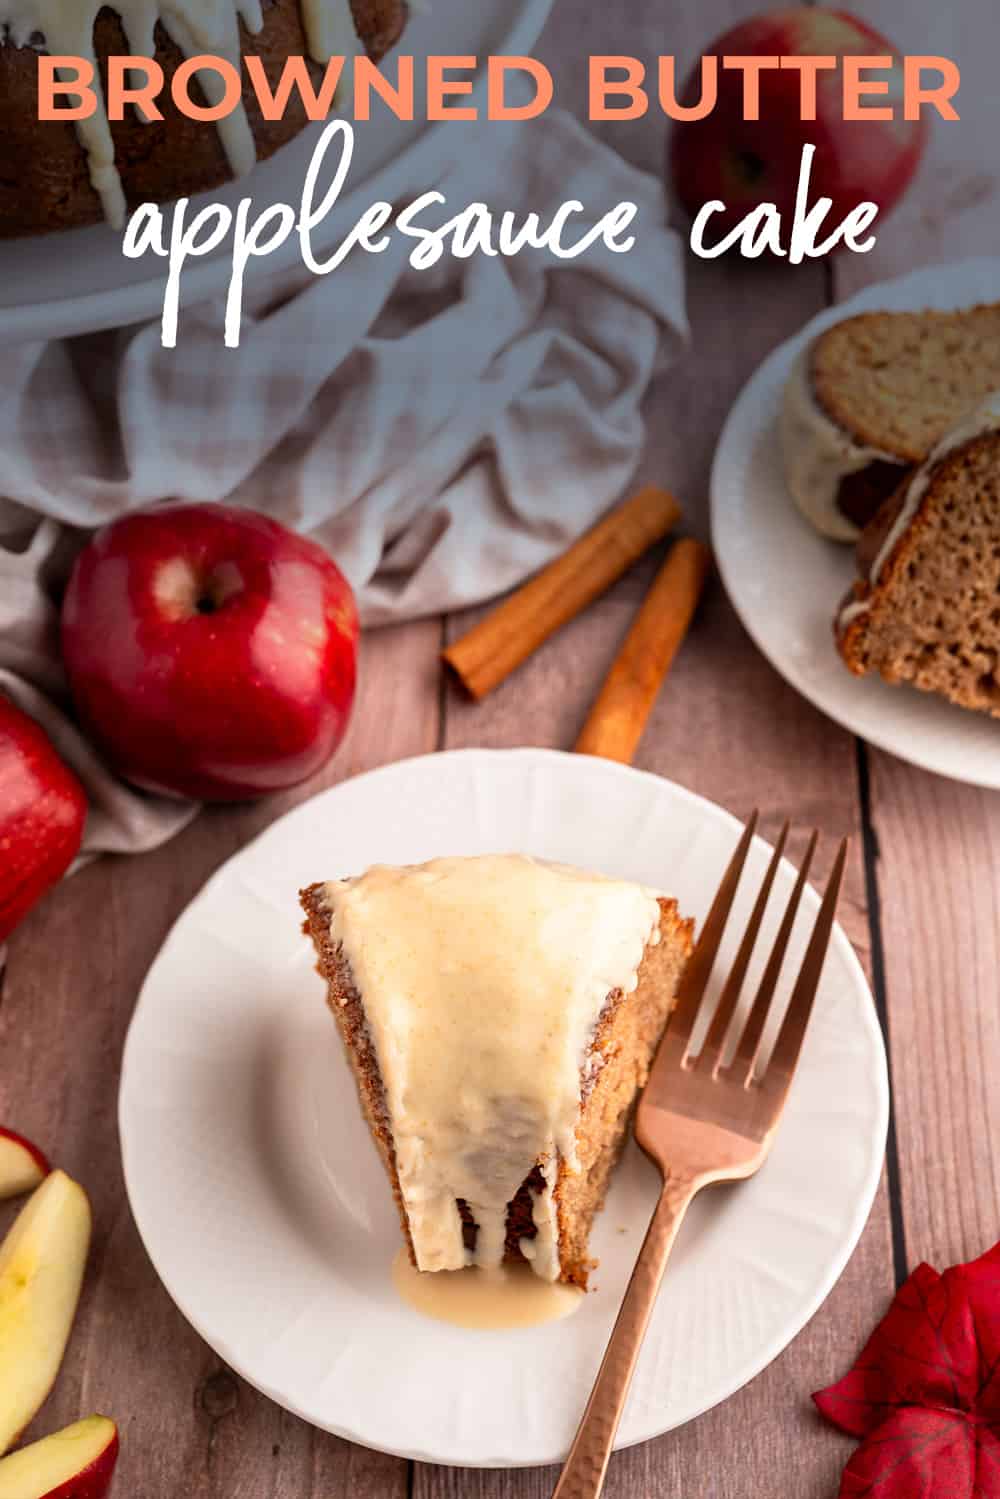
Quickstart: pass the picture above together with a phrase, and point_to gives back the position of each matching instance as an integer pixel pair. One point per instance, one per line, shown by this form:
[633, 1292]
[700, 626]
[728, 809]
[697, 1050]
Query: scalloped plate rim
[435, 764]
[890, 718]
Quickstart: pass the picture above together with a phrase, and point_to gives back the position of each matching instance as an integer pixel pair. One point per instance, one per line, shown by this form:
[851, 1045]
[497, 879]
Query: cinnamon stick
[618, 717]
[498, 644]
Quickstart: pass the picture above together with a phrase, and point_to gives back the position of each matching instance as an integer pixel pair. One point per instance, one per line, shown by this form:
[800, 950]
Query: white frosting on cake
[819, 454]
[66, 28]
[482, 981]
[982, 419]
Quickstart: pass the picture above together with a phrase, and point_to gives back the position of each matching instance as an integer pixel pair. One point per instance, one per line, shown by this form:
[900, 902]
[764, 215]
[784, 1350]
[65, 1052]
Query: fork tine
[793, 1029]
[699, 966]
[745, 1059]
[710, 1053]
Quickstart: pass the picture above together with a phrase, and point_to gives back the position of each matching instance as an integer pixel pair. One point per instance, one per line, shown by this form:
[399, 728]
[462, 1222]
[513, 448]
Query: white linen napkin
[443, 433]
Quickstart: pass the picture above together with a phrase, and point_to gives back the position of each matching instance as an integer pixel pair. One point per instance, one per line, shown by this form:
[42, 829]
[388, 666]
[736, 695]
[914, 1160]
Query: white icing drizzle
[819, 454]
[983, 418]
[196, 26]
[331, 32]
[482, 981]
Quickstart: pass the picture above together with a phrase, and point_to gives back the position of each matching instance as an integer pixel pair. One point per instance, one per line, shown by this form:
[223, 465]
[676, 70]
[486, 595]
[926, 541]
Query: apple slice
[75, 1463]
[41, 1271]
[22, 1165]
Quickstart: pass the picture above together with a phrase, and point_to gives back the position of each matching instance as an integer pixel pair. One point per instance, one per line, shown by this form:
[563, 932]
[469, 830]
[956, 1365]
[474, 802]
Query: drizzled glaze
[482, 982]
[484, 1299]
[819, 455]
[197, 27]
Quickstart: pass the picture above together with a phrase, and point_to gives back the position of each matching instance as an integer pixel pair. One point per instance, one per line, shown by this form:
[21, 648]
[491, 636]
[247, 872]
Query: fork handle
[583, 1474]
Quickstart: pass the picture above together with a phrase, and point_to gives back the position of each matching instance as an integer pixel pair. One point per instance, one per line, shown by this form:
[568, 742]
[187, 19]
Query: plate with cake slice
[382, 1162]
[856, 516]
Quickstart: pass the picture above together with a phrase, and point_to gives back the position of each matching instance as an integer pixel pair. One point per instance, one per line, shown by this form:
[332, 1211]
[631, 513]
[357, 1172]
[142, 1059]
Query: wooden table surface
[921, 898]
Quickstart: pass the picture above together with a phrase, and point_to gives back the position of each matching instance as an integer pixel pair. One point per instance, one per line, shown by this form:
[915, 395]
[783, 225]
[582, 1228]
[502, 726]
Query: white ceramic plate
[266, 1212]
[786, 581]
[58, 285]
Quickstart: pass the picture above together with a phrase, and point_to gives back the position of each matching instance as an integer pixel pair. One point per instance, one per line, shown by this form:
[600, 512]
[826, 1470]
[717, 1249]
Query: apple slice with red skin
[42, 811]
[41, 1272]
[23, 1167]
[75, 1463]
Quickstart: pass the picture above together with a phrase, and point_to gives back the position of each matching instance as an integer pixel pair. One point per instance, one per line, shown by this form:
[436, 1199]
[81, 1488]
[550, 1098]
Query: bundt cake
[58, 175]
[927, 608]
[870, 397]
[500, 1015]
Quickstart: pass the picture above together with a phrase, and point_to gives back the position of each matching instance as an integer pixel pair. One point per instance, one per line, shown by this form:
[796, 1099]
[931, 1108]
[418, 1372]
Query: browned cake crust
[380, 24]
[44, 178]
[861, 495]
[625, 1040]
[933, 617]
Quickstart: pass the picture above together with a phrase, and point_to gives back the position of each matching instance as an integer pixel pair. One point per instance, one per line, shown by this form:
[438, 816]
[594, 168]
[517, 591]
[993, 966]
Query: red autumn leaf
[925, 1393]
[918, 1355]
[925, 1454]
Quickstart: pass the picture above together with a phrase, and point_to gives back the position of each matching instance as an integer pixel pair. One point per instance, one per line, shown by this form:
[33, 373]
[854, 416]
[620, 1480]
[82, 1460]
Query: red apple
[75, 1463]
[211, 652]
[42, 812]
[23, 1166]
[743, 163]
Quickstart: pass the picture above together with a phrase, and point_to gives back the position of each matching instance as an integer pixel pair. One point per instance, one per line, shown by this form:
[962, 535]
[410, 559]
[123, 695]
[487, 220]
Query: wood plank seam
[870, 858]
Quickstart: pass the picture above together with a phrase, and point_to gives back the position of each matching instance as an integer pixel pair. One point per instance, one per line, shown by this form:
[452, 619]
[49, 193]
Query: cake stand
[54, 286]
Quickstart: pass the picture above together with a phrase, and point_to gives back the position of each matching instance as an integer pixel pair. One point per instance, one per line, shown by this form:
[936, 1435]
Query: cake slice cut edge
[926, 610]
[898, 381]
[621, 1050]
[870, 398]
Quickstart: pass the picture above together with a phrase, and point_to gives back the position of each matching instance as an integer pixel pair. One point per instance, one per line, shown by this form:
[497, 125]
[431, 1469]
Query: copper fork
[701, 1122]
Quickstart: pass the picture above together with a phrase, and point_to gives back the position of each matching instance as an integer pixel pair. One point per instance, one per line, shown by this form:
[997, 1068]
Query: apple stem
[749, 166]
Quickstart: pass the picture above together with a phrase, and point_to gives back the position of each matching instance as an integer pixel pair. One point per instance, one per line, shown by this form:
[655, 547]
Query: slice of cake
[871, 397]
[927, 608]
[500, 1015]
